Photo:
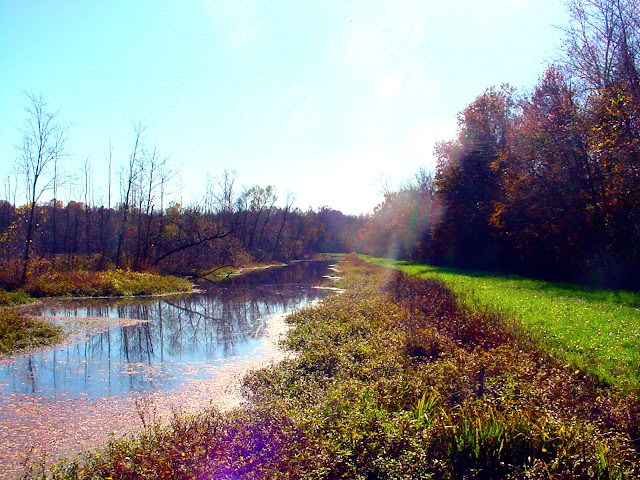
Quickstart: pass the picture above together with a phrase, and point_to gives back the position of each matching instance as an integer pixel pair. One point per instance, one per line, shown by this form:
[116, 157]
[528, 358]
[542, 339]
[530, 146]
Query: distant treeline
[134, 225]
[191, 240]
[544, 183]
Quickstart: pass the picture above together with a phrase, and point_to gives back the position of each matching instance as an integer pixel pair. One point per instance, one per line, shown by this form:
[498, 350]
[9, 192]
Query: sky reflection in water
[157, 344]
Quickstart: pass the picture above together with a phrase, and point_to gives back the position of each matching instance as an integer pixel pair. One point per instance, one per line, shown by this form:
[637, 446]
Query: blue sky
[321, 99]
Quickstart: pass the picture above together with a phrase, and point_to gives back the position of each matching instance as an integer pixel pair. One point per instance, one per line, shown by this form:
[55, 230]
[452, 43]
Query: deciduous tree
[469, 181]
[44, 142]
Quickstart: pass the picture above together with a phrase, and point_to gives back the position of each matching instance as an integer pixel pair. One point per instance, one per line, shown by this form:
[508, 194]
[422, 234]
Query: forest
[542, 182]
[139, 232]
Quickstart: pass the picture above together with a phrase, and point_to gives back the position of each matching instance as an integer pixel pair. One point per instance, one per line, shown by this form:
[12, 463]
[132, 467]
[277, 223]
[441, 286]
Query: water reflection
[156, 344]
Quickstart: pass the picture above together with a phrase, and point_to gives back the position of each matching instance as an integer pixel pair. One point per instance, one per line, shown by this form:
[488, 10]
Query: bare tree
[44, 142]
[219, 196]
[254, 200]
[88, 202]
[155, 174]
[289, 203]
[425, 182]
[127, 182]
[226, 196]
[105, 214]
[603, 39]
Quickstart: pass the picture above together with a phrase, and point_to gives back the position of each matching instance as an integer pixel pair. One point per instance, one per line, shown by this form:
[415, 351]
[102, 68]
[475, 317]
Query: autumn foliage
[547, 185]
[545, 182]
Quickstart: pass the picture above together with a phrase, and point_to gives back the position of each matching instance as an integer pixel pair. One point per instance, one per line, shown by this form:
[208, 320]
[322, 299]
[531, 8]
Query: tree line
[135, 226]
[185, 240]
[545, 182]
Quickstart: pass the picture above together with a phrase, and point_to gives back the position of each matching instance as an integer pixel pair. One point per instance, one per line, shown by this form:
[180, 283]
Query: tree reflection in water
[138, 345]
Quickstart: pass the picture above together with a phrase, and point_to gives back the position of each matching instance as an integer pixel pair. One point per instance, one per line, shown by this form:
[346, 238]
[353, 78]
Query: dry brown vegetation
[395, 378]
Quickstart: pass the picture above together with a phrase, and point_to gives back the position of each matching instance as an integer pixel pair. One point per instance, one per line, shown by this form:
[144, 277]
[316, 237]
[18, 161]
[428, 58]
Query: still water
[132, 346]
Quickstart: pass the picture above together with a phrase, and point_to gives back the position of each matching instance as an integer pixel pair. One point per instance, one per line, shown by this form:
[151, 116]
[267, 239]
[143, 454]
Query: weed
[395, 378]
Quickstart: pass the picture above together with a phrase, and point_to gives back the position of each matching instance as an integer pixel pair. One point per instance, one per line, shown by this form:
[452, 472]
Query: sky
[328, 101]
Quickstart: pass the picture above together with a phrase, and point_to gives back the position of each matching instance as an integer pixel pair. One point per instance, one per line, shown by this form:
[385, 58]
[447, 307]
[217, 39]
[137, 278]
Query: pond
[128, 360]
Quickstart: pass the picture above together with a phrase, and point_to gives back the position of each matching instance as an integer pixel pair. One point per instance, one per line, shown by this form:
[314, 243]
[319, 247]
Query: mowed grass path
[595, 331]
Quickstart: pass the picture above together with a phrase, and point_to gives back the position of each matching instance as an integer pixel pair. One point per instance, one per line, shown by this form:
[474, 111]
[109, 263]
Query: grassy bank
[596, 331]
[103, 283]
[19, 332]
[394, 379]
[8, 299]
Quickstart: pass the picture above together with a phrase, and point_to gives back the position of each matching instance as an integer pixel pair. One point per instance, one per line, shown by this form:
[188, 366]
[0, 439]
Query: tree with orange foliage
[469, 182]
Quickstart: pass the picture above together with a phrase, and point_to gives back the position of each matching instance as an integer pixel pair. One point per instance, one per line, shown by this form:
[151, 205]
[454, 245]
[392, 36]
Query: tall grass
[103, 283]
[16, 297]
[19, 331]
[595, 331]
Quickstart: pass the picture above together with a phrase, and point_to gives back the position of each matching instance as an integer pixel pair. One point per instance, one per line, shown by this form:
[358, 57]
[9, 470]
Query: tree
[469, 182]
[400, 224]
[191, 237]
[251, 204]
[614, 146]
[44, 142]
[603, 38]
[547, 214]
[153, 178]
[127, 184]
[285, 213]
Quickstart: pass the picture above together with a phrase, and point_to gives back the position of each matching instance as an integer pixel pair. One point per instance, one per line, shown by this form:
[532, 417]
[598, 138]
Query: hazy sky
[322, 99]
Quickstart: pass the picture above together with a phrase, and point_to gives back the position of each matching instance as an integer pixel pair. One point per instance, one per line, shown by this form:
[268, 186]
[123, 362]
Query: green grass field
[595, 331]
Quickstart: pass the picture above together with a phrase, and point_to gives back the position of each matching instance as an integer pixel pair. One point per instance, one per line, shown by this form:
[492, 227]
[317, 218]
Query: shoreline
[74, 426]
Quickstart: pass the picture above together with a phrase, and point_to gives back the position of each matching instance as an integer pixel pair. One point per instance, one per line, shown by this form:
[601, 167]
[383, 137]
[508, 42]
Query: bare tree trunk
[132, 173]
[54, 216]
[290, 200]
[43, 143]
[87, 201]
[106, 221]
